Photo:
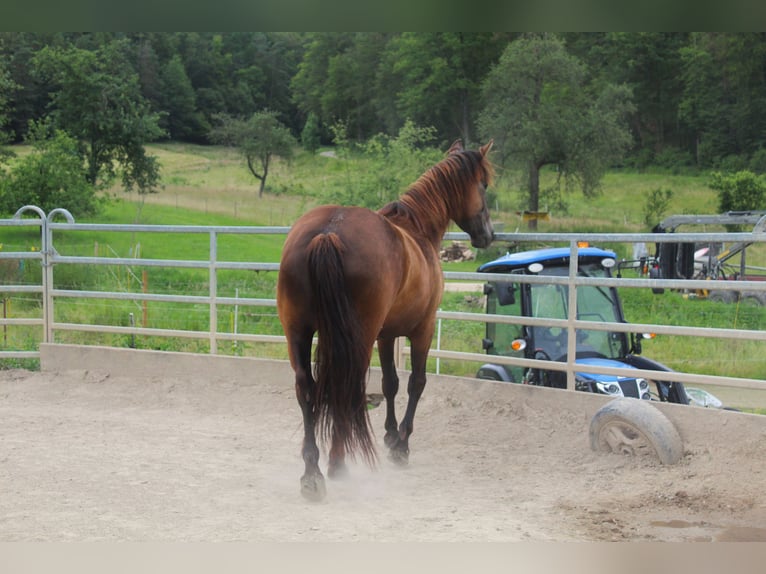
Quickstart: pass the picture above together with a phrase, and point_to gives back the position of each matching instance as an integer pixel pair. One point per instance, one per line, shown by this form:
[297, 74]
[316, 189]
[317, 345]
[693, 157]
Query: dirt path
[87, 456]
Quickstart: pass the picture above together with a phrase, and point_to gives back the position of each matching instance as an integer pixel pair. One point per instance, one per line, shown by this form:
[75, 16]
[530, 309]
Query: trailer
[715, 261]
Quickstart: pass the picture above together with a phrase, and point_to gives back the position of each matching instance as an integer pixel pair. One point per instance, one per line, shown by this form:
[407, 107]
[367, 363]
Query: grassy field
[211, 186]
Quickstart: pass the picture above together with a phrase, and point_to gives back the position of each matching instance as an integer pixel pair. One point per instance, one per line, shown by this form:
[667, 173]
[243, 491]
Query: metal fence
[49, 258]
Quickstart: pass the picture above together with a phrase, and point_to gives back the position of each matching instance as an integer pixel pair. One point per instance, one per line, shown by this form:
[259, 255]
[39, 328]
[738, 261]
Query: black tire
[753, 298]
[722, 296]
[635, 427]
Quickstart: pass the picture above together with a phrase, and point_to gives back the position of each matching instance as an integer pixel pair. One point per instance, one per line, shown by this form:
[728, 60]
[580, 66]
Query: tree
[6, 90]
[259, 139]
[724, 94]
[310, 135]
[649, 63]
[434, 79]
[97, 100]
[29, 96]
[541, 111]
[179, 102]
[336, 80]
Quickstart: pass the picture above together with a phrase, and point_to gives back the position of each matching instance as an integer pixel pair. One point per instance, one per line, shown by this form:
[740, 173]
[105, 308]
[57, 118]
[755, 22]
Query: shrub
[740, 191]
[656, 205]
[52, 176]
[391, 165]
[310, 136]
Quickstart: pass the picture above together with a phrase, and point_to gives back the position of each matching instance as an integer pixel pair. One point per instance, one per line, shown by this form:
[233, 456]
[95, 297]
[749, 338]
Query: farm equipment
[551, 301]
[713, 261]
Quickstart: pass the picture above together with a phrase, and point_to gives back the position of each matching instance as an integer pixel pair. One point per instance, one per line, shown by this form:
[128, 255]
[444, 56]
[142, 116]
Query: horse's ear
[485, 148]
[456, 147]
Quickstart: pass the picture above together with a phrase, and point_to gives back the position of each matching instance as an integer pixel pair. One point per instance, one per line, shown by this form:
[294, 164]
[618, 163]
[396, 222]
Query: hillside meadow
[205, 185]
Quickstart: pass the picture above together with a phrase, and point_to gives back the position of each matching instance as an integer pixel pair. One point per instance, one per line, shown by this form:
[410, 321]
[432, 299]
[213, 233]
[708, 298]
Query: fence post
[46, 278]
[144, 304]
[438, 344]
[574, 260]
[213, 293]
[48, 252]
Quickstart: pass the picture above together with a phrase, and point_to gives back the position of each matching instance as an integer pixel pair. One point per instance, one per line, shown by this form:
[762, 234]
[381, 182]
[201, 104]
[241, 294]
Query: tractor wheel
[722, 296]
[635, 427]
[753, 298]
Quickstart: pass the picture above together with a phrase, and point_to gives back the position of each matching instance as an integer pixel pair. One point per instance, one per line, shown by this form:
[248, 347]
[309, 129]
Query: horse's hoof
[399, 456]
[313, 487]
[391, 439]
[337, 471]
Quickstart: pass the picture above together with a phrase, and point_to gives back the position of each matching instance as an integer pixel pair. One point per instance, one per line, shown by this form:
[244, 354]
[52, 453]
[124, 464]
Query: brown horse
[354, 276]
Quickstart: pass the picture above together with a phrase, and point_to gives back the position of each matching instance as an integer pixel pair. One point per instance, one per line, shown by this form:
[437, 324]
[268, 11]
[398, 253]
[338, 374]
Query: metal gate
[48, 258]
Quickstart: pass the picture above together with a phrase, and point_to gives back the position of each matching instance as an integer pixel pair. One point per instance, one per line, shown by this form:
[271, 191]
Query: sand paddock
[113, 445]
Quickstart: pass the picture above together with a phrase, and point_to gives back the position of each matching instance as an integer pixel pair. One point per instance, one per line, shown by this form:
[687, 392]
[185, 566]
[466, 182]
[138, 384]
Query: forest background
[690, 101]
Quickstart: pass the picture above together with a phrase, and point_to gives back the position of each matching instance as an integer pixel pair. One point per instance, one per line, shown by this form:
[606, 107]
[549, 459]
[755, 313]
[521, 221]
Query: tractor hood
[599, 362]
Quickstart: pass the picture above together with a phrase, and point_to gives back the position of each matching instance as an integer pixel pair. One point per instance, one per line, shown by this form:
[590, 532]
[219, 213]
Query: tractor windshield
[594, 303]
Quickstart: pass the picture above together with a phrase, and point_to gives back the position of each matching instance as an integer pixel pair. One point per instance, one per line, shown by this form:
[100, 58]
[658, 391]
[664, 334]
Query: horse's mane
[429, 202]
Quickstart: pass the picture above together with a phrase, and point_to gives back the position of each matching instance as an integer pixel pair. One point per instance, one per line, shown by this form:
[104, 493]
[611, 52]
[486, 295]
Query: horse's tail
[342, 358]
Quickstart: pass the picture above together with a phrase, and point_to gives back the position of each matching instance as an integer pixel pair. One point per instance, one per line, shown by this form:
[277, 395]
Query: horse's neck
[423, 224]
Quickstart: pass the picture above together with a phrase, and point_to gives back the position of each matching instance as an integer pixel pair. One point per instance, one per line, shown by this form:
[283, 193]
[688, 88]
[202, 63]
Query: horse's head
[470, 211]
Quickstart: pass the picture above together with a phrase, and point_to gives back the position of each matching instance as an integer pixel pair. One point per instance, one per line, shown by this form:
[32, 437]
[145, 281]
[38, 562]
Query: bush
[52, 176]
[378, 184]
[310, 136]
[740, 191]
[656, 205]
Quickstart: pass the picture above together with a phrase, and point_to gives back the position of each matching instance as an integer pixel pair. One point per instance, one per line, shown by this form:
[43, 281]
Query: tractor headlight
[610, 389]
[643, 390]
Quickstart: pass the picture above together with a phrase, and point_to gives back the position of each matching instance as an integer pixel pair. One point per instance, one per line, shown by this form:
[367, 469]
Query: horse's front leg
[390, 386]
[400, 449]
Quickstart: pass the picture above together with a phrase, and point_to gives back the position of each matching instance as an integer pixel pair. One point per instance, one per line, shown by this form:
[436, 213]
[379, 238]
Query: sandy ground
[88, 456]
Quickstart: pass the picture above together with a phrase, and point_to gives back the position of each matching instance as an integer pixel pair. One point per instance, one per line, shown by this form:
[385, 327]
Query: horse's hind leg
[312, 482]
[400, 449]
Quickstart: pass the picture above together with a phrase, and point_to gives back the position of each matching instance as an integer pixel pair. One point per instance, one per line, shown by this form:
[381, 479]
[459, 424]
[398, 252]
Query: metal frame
[49, 257]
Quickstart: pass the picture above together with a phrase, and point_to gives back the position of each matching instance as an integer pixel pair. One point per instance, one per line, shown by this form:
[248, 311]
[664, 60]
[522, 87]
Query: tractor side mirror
[506, 293]
[656, 273]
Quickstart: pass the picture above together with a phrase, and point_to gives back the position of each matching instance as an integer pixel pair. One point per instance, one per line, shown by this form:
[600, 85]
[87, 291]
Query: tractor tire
[753, 298]
[722, 296]
[635, 427]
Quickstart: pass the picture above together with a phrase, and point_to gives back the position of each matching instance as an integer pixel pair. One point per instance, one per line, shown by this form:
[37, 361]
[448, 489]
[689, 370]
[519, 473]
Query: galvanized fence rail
[48, 257]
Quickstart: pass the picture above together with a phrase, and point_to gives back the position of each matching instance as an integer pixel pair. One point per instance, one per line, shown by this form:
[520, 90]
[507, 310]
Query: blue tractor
[551, 301]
